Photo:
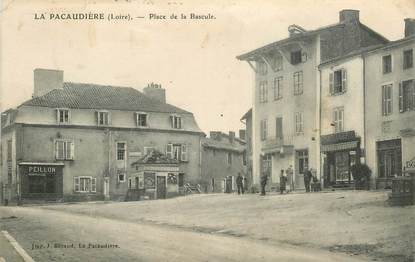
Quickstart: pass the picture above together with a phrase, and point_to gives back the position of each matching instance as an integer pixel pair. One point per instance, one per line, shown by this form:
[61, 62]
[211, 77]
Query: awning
[40, 164]
[339, 146]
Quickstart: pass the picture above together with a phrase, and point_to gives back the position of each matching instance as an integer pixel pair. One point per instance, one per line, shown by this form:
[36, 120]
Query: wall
[374, 79]
[215, 165]
[351, 100]
[286, 107]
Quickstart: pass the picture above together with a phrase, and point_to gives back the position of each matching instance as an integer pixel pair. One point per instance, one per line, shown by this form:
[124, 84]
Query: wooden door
[161, 187]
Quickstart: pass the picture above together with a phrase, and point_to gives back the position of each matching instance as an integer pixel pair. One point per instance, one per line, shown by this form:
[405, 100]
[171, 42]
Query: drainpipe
[319, 129]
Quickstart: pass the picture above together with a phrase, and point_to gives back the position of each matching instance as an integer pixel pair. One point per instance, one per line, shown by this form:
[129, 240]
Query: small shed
[155, 176]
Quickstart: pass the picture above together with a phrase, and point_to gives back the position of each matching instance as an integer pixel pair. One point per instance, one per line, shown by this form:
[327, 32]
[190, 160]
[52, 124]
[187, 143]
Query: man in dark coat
[264, 179]
[239, 184]
[307, 178]
[283, 181]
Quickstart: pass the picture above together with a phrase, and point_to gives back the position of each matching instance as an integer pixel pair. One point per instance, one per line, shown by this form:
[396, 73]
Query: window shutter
[172, 121]
[71, 154]
[383, 100]
[56, 150]
[57, 115]
[184, 152]
[108, 118]
[413, 94]
[94, 185]
[76, 184]
[401, 109]
[136, 118]
[331, 83]
[169, 151]
[344, 80]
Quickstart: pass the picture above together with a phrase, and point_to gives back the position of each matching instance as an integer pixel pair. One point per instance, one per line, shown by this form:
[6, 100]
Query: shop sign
[41, 170]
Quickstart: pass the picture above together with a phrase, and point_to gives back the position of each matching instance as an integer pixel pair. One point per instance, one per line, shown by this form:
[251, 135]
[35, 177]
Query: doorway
[161, 187]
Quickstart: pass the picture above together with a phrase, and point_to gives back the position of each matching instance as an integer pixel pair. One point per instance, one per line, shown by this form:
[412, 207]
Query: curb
[17, 247]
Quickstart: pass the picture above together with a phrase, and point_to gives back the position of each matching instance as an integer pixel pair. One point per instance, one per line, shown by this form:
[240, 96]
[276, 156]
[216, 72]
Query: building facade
[78, 141]
[390, 108]
[286, 107]
[247, 121]
[223, 158]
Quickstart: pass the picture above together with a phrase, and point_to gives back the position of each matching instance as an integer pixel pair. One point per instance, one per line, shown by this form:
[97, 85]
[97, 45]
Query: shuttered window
[298, 83]
[299, 123]
[278, 128]
[407, 96]
[338, 82]
[263, 129]
[64, 150]
[408, 60]
[386, 100]
[338, 119]
[387, 64]
[278, 86]
[85, 184]
[263, 91]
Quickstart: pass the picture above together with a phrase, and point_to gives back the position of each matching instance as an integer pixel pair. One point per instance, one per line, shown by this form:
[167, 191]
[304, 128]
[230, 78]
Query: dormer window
[141, 119]
[103, 118]
[176, 121]
[62, 116]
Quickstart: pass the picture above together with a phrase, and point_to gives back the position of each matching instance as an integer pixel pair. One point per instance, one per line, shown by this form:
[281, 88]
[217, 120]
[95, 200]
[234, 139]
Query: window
[298, 83]
[121, 175]
[386, 100]
[85, 184]
[177, 152]
[278, 128]
[229, 158]
[141, 119]
[296, 57]
[389, 154]
[302, 158]
[338, 82]
[176, 122]
[266, 164]
[278, 81]
[64, 150]
[263, 91]
[407, 96]
[62, 115]
[121, 149]
[338, 119]
[263, 128]
[387, 64]
[299, 123]
[277, 63]
[262, 68]
[103, 118]
[408, 60]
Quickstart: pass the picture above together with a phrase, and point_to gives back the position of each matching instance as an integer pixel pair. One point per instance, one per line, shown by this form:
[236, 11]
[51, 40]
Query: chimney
[155, 92]
[45, 80]
[349, 15]
[242, 134]
[295, 30]
[231, 136]
[409, 27]
[215, 135]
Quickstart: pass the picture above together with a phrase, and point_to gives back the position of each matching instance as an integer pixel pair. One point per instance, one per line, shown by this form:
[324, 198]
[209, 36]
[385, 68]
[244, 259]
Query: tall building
[286, 107]
[390, 108]
[75, 141]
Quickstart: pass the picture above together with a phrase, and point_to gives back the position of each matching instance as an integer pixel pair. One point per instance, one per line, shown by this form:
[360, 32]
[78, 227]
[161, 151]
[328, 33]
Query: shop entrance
[161, 187]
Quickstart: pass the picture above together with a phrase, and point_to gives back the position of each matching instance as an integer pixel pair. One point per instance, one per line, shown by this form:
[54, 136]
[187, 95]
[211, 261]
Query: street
[59, 236]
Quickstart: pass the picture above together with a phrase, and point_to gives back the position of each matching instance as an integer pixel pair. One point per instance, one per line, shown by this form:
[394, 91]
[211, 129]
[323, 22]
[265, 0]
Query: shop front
[41, 181]
[339, 153]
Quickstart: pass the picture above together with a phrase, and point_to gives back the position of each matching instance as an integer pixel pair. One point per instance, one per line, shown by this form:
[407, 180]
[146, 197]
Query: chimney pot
[409, 27]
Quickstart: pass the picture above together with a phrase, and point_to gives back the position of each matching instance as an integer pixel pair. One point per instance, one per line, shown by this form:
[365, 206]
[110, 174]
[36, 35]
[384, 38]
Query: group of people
[287, 182]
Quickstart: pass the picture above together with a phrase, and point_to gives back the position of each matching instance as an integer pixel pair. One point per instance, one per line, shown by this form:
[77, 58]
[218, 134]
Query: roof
[354, 53]
[92, 96]
[300, 36]
[155, 157]
[393, 44]
[288, 40]
[247, 114]
[223, 144]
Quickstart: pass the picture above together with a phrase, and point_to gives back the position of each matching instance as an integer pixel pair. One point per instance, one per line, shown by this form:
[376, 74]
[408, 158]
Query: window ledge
[338, 93]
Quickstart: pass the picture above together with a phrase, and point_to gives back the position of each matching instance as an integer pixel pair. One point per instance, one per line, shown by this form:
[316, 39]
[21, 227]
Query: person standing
[307, 178]
[283, 181]
[289, 177]
[264, 179]
[239, 184]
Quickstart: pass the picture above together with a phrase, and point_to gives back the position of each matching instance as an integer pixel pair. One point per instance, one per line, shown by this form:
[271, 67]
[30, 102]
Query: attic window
[62, 116]
[141, 119]
[176, 121]
[103, 118]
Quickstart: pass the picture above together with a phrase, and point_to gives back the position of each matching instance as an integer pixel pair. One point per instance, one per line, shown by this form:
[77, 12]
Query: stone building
[75, 141]
[390, 108]
[286, 107]
[223, 158]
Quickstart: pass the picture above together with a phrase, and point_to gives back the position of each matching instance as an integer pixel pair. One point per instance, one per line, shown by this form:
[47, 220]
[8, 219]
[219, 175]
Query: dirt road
[49, 235]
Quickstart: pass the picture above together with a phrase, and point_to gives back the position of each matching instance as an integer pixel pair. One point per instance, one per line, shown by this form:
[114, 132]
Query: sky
[194, 60]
